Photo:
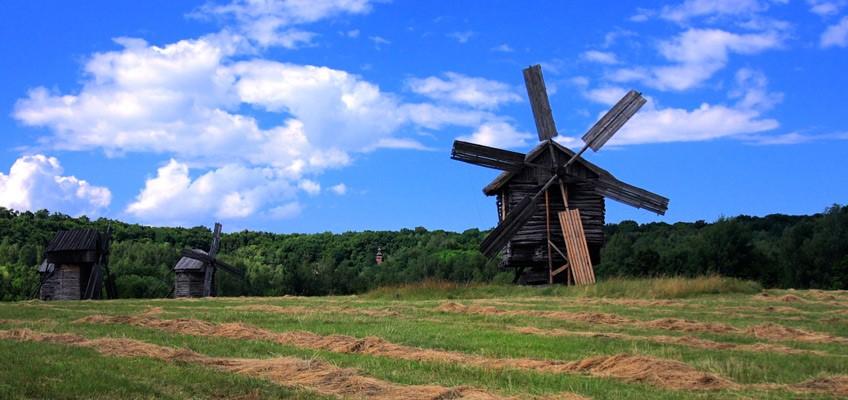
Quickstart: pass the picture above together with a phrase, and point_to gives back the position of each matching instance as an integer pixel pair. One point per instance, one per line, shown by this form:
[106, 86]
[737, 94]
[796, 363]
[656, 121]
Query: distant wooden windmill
[76, 266]
[195, 271]
[527, 235]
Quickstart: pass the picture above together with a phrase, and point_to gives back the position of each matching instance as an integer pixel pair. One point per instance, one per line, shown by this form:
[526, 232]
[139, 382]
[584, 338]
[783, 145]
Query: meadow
[673, 338]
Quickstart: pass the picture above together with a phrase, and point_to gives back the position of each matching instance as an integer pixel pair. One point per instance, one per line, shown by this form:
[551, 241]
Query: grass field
[651, 339]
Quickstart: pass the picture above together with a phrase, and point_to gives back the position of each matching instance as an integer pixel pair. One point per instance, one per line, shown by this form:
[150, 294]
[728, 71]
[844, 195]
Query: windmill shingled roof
[75, 240]
[185, 263]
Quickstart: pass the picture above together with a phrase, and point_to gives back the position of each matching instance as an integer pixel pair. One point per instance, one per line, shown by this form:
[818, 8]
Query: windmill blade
[631, 195]
[538, 96]
[515, 219]
[194, 254]
[613, 120]
[486, 156]
[216, 240]
[229, 268]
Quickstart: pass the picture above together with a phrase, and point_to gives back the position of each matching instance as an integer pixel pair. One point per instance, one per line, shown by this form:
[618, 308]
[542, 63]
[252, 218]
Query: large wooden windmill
[195, 271]
[552, 196]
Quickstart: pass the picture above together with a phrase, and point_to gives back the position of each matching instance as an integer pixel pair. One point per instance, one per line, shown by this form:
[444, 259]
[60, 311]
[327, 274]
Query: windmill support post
[564, 191]
[548, 229]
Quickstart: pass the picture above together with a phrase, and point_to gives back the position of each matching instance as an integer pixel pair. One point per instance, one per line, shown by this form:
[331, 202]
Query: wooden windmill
[552, 195]
[76, 266]
[195, 271]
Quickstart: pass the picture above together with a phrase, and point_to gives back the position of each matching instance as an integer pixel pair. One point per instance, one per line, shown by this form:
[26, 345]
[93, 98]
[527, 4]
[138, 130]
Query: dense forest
[776, 250]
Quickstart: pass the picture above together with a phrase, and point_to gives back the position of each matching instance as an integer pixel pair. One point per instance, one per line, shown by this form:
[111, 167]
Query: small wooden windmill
[76, 266]
[195, 271]
[553, 180]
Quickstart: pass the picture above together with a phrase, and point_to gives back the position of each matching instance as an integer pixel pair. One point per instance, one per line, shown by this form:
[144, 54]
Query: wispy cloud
[836, 35]
[697, 54]
[273, 22]
[461, 37]
[339, 189]
[503, 48]
[462, 89]
[600, 57]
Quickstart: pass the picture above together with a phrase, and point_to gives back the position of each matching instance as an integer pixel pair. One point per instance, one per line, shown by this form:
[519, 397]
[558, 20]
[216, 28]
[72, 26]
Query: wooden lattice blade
[486, 156]
[229, 268]
[538, 96]
[631, 195]
[613, 120]
[576, 247]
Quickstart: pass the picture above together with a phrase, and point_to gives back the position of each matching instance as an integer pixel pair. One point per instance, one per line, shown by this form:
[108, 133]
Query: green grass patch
[647, 288]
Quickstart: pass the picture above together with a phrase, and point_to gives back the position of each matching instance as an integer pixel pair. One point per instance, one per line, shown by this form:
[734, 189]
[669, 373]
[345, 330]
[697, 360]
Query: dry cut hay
[688, 341]
[772, 331]
[685, 325]
[673, 324]
[787, 298]
[313, 310]
[672, 374]
[591, 317]
[380, 347]
[831, 385]
[768, 331]
[313, 375]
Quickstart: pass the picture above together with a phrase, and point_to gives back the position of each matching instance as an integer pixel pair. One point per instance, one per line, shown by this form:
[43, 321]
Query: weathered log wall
[64, 284]
[528, 246]
[189, 283]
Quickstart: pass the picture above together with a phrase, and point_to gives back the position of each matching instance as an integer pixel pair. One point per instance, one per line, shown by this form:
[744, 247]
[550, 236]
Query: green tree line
[776, 250]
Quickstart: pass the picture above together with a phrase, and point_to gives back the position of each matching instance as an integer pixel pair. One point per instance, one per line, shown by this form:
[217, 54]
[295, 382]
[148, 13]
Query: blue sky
[336, 115]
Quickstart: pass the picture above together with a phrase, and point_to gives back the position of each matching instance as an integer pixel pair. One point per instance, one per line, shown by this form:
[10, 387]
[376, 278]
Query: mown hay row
[689, 341]
[768, 331]
[659, 372]
[313, 310]
[817, 297]
[314, 375]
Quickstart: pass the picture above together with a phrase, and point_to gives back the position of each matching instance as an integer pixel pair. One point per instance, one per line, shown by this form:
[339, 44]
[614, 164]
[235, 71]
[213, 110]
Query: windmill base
[534, 271]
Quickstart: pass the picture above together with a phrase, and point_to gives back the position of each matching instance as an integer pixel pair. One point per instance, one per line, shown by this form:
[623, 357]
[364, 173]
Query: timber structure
[75, 266]
[196, 269]
[550, 201]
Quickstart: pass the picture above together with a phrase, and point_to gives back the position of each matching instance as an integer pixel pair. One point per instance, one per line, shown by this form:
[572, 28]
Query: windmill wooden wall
[188, 284]
[189, 279]
[528, 247]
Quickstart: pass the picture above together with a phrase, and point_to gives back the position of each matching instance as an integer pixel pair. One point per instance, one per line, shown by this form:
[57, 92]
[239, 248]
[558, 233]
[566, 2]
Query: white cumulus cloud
[36, 182]
[707, 122]
[466, 90]
[197, 101]
[230, 192]
[498, 134]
